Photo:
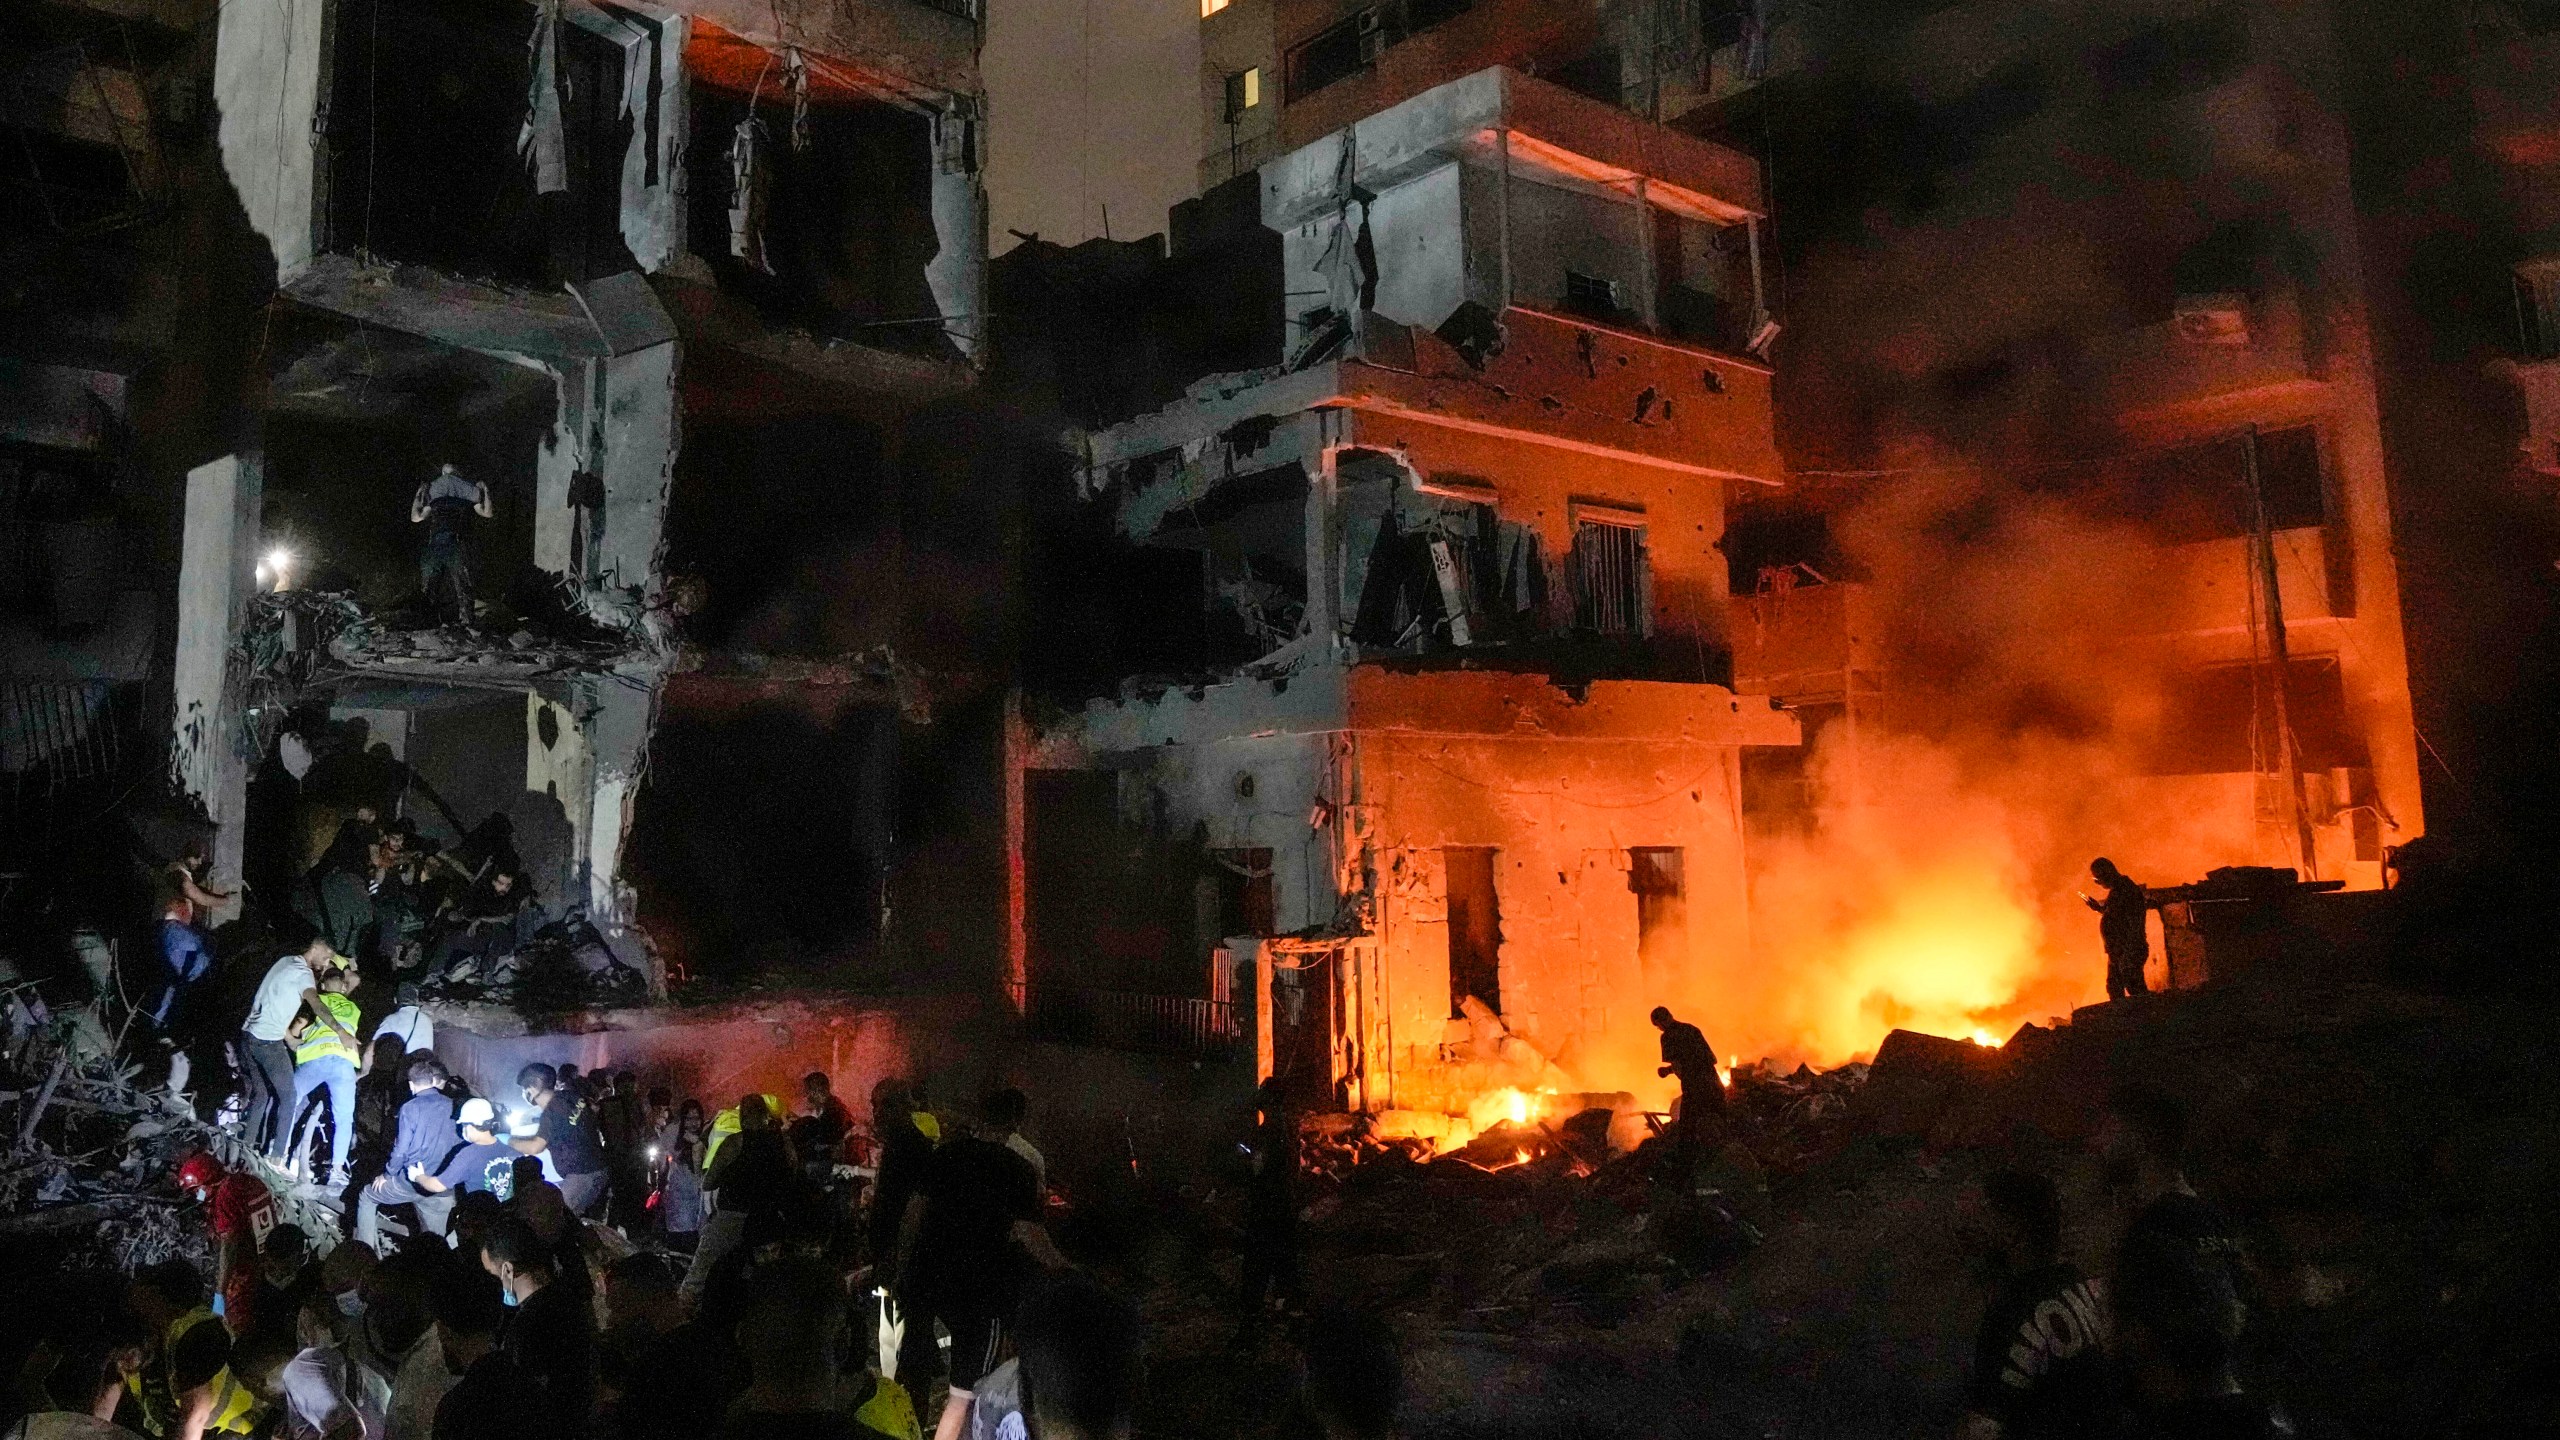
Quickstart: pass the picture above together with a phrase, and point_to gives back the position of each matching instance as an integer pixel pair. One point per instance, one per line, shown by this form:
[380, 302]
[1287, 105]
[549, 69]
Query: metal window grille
[1608, 578]
[1128, 1020]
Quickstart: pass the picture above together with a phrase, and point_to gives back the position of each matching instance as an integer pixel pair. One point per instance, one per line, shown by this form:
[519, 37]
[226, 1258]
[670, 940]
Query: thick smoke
[1938, 886]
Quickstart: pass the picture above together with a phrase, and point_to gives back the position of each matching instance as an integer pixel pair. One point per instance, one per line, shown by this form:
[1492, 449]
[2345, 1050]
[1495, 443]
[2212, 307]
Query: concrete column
[616, 714]
[266, 87]
[958, 272]
[216, 576]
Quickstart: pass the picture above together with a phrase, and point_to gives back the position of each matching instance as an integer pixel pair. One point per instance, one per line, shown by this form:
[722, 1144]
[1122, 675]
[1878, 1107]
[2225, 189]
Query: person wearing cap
[425, 1135]
[243, 1214]
[483, 1163]
[291, 988]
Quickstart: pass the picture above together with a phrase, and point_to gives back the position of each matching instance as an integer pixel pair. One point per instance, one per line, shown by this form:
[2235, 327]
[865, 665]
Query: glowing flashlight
[276, 567]
[653, 1152]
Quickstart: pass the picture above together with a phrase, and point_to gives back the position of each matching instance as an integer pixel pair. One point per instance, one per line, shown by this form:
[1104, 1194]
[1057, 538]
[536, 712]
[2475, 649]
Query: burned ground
[2377, 1144]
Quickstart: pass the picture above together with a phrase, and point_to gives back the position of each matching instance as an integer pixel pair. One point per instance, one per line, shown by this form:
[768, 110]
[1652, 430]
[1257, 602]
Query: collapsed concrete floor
[2385, 1151]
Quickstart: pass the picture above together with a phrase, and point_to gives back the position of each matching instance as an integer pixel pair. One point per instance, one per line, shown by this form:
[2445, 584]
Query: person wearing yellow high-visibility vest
[181, 1386]
[325, 1058]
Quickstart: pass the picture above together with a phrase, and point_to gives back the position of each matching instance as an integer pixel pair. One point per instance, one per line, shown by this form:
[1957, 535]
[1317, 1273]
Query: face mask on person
[507, 1296]
[350, 1303]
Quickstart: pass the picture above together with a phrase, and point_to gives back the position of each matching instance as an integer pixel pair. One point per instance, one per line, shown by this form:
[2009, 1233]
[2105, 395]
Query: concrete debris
[294, 636]
[90, 1149]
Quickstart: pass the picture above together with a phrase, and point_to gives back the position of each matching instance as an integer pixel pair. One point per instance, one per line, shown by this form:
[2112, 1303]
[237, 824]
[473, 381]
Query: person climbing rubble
[325, 1059]
[291, 988]
[446, 505]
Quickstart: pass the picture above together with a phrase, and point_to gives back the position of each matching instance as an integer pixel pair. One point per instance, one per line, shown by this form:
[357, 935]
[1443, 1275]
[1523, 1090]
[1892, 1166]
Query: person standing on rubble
[291, 988]
[243, 1215]
[1687, 1055]
[325, 1059]
[2121, 928]
[446, 505]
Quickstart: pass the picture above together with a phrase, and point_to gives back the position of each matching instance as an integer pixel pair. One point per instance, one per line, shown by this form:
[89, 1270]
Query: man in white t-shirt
[266, 1061]
[415, 1028]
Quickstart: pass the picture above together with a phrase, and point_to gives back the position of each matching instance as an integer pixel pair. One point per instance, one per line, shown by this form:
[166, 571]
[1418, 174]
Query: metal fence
[1131, 1020]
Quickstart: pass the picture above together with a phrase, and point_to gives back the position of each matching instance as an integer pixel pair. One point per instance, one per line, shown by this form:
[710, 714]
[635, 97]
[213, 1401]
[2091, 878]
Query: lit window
[1211, 7]
[1244, 91]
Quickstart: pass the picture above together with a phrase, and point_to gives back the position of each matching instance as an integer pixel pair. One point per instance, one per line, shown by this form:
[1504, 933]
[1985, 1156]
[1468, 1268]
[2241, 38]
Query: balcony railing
[1129, 1020]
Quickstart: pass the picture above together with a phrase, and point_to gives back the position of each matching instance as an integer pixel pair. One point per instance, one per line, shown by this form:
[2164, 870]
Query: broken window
[1436, 564]
[424, 120]
[2219, 720]
[1703, 290]
[1475, 928]
[1244, 91]
[1609, 579]
[2198, 492]
[1591, 295]
[1354, 43]
[1658, 875]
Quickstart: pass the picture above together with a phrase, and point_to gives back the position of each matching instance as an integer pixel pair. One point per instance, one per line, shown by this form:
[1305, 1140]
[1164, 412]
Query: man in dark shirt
[975, 1229]
[491, 1401]
[2177, 1325]
[551, 1338]
[903, 1153]
[568, 1133]
[2122, 928]
[669, 1378]
[2141, 1154]
[2039, 1360]
[1686, 1054]
[425, 1137]
[483, 1164]
[447, 504]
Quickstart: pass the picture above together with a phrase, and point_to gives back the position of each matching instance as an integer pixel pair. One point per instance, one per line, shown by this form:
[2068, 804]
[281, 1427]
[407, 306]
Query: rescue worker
[179, 1378]
[2121, 928]
[325, 1058]
[243, 1215]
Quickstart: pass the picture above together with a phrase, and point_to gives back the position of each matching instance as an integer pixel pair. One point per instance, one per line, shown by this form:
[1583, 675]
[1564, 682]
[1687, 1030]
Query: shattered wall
[1358, 782]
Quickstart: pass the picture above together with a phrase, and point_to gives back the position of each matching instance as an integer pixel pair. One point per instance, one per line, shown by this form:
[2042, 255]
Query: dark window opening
[1592, 296]
[1657, 873]
[1354, 43]
[1244, 892]
[426, 101]
[1598, 75]
[2201, 492]
[1475, 928]
[1244, 92]
[1608, 578]
[2220, 720]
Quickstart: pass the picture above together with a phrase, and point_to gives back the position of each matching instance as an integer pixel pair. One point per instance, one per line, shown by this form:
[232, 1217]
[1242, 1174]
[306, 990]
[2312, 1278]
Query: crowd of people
[614, 1265]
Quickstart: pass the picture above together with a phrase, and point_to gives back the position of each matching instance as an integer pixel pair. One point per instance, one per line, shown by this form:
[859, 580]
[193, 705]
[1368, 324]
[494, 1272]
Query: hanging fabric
[750, 168]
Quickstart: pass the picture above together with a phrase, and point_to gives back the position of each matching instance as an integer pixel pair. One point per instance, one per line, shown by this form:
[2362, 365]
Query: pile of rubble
[87, 1147]
[293, 634]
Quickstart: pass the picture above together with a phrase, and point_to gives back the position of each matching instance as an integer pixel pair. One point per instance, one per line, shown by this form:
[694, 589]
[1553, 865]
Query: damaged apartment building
[1432, 785]
[2215, 282]
[667, 283]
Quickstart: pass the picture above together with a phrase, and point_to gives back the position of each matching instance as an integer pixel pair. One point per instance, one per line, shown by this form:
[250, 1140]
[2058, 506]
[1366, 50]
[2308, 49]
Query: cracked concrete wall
[266, 84]
[215, 579]
[616, 716]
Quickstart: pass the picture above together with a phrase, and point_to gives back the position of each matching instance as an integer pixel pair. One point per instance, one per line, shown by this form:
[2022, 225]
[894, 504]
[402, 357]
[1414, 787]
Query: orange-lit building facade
[1488, 748]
